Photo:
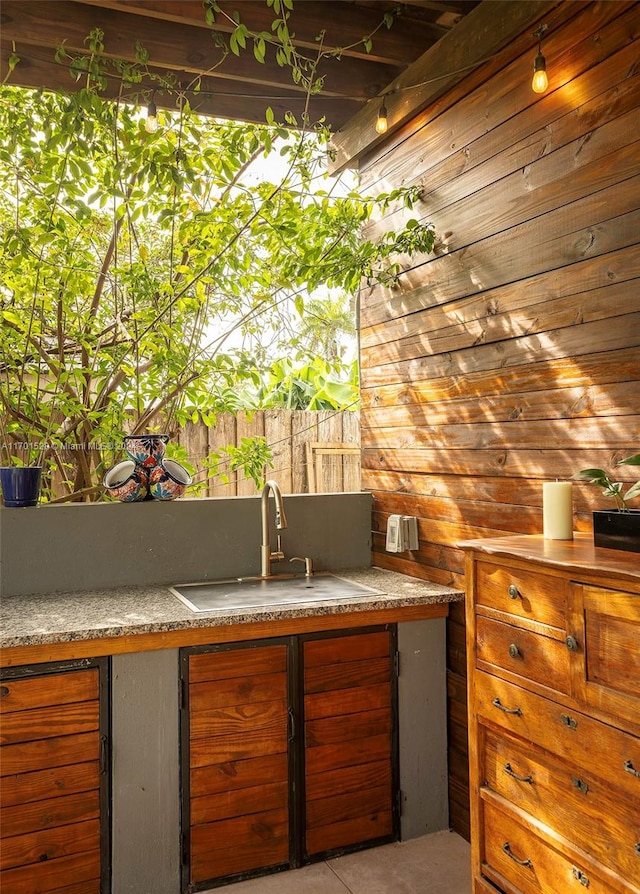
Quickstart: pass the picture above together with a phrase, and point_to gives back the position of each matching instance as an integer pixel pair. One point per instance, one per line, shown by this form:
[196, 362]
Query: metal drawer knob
[572, 643]
[631, 769]
[514, 592]
[579, 876]
[514, 651]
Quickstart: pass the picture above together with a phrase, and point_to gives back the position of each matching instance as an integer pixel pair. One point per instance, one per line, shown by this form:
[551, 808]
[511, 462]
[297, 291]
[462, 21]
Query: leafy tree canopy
[147, 279]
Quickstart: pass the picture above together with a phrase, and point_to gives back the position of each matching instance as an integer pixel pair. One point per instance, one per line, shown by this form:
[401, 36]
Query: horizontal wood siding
[511, 355]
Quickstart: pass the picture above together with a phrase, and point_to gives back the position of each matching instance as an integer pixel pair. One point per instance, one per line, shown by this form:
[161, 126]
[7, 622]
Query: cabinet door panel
[348, 779]
[342, 676]
[49, 843]
[223, 664]
[567, 798]
[45, 723]
[328, 811]
[341, 834]
[347, 707]
[237, 802]
[41, 784]
[75, 874]
[240, 690]
[238, 813]
[50, 812]
[48, 689]
[239, 844]
[347, 701]
[24, 757]
[330, 730]
[347, 754]
[239, 719]
[342, 649]
[238, 774]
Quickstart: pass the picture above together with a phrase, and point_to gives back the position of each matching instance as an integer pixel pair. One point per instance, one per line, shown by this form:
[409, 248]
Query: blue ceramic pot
[20, 485]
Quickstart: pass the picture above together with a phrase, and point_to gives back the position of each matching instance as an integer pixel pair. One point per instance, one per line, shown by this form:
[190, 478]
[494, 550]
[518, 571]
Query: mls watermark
[61, 445]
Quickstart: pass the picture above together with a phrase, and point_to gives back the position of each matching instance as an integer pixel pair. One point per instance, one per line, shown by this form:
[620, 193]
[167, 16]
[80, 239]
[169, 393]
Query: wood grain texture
[232, 775]
[48, 690]
[511, 354]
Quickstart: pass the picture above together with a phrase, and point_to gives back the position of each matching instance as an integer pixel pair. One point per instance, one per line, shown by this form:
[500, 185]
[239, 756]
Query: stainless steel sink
[255, 592]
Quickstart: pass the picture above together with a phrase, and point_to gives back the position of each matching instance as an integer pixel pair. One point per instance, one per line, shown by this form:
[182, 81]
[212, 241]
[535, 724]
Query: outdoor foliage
[149, 279]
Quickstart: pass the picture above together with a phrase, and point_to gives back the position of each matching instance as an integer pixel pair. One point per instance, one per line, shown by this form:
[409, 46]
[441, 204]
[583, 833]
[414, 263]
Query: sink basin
[256, 592]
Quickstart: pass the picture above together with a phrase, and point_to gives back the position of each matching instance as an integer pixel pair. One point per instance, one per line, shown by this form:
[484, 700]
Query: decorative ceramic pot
[127, 481]
[168, 480]
[20, 485]
[147, 450]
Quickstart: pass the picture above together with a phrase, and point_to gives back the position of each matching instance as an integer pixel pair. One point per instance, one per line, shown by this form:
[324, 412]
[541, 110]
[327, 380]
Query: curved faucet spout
[266, 555]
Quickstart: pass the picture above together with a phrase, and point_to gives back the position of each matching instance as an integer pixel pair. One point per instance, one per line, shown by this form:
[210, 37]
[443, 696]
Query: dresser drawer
[514, 853]
[611, 754]
[574, 803]
[525, 594]
[530, 655]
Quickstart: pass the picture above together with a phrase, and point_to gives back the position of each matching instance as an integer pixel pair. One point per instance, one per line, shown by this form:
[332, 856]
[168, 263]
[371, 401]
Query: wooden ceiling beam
[487, 29]
[34, 71]
[347, 25]
[31, 25]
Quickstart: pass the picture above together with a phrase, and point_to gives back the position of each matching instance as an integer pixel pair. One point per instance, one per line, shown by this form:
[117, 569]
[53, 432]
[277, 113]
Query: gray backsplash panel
[73, 546]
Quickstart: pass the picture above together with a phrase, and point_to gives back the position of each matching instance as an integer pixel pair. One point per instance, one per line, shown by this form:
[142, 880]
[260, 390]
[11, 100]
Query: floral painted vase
[127, 481]
[147, 450]
[168, 480]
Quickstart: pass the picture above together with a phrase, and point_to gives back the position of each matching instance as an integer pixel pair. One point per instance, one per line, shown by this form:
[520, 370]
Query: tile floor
[434, 864]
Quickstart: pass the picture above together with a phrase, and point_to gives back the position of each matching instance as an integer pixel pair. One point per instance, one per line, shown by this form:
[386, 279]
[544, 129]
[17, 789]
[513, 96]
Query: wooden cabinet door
[237, 739]
[349, 731]
[53, 784]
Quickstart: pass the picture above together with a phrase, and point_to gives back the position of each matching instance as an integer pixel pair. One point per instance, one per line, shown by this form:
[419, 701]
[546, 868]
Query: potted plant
[618, 528]
[20, 471]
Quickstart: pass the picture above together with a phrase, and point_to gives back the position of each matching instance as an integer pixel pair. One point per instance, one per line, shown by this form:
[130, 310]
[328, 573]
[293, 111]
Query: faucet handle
[308, 564]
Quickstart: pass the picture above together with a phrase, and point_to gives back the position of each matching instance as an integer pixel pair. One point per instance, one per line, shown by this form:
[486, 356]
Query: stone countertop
[122, 611]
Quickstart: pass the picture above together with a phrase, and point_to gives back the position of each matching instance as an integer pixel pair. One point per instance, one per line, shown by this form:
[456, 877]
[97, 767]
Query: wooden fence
[313, 451]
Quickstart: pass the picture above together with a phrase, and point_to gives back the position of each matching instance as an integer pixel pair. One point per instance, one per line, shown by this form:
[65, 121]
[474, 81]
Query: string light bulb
[381, 121]
[151, 123]
[540, 80]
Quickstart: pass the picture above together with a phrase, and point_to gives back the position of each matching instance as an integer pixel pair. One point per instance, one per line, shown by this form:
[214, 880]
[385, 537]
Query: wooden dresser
[553, 633]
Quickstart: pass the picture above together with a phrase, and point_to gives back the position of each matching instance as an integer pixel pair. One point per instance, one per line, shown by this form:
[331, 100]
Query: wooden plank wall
[511, 355]
[287, 432]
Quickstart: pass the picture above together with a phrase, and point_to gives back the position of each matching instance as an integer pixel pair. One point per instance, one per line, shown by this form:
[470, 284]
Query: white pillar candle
[557, 510]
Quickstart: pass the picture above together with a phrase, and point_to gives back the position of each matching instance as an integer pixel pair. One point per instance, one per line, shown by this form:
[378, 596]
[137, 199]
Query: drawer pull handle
[508, 769]
[506, 847]
[636, 848]
[572, 643]
[580, 784]
[514, 592]
[514, 651]
[568, 721]
[498, 704]
[292, 725]
[579, 876]
[629, 768]
[104, 755]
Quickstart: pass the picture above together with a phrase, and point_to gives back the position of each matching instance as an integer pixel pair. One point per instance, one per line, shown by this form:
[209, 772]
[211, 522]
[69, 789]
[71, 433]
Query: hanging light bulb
[540, 81]
[151, 124]
[381, 121]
